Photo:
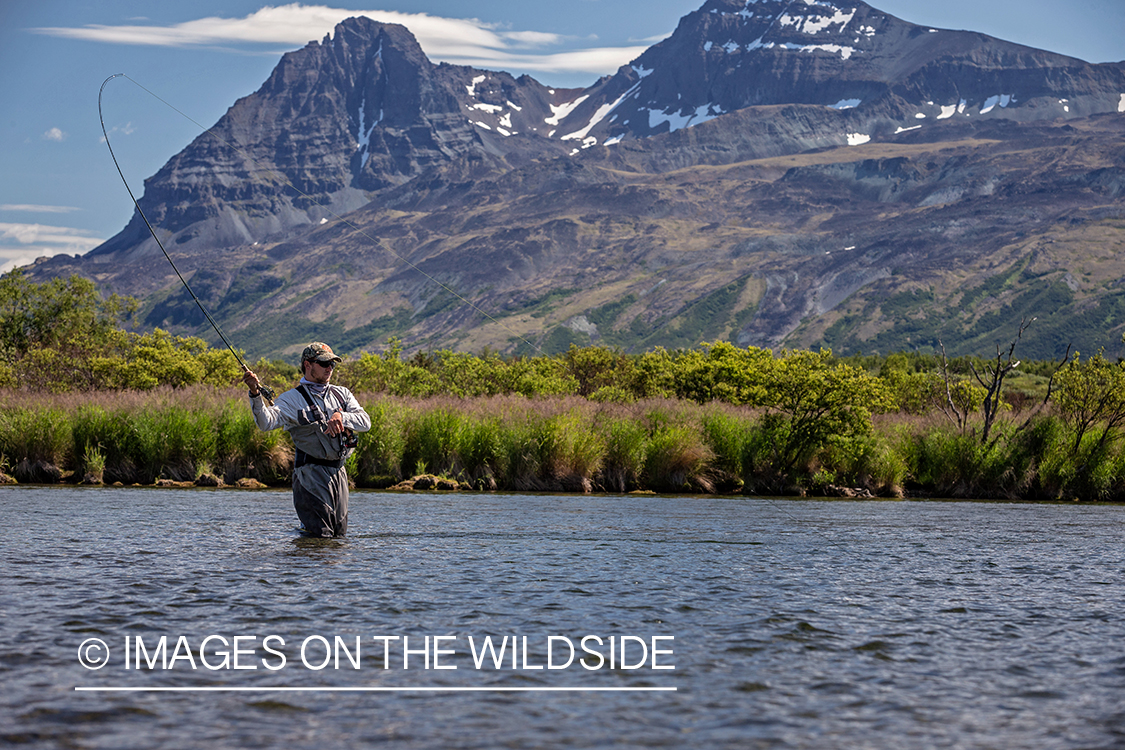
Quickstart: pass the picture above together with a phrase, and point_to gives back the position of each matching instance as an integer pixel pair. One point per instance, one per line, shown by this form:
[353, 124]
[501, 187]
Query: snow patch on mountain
[680, 120]
[364, 133]
[599, 115]
[745, 12]
[363, 130]
[490, 108]
[991, 102]
[844, 52]
[560, 111]
[472, 87]
[816, 23]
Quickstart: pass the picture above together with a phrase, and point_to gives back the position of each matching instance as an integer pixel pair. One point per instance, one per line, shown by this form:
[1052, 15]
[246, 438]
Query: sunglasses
[325, 365]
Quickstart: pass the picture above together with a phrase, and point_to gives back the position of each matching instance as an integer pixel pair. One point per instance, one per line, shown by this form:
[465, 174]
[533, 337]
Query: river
[636, 621]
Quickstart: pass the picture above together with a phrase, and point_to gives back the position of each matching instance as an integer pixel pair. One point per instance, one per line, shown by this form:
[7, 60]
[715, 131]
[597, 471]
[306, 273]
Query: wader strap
[303, 458]
[303, 392]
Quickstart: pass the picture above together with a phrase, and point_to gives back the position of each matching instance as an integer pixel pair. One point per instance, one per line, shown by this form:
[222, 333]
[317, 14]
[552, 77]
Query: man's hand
[251, 381]
[335, 424]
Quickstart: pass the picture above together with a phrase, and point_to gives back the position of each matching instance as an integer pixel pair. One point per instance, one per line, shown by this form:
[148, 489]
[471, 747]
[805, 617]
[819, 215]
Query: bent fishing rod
[266, 392]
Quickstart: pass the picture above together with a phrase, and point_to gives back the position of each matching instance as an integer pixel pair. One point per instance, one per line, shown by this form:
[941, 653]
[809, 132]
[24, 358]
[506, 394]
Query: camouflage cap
[318, 352]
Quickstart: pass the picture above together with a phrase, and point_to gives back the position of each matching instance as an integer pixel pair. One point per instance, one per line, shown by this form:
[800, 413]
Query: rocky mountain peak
[467, 184]
[749, 24]
[842, 54]
[337, 121]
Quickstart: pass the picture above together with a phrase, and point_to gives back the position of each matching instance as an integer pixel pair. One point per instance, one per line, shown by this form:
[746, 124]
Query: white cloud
[595, 60]
[463, 41]
[54, 134]
[21, 244]
[651, 40]
[531, 38]
[127, 129]
[38, 209]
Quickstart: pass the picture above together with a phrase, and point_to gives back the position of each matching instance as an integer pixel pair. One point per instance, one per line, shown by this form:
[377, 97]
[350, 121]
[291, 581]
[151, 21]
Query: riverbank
[570, 444]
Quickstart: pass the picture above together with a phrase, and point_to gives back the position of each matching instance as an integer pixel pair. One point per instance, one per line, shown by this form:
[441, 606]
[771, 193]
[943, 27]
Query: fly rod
[267, 393]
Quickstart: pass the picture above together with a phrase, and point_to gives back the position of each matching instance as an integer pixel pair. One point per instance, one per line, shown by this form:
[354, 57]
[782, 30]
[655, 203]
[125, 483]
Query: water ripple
[797, 624]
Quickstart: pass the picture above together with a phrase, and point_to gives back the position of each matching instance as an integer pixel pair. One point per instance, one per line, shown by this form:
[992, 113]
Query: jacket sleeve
[282, 414]
[355, 416]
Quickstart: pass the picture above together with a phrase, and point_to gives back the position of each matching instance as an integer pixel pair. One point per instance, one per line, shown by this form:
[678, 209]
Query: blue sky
[59, 191]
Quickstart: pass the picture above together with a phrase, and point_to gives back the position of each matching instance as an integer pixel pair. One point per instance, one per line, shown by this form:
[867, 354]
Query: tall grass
[132, 437]
[571, 452]
[626, 448]
[35, 441]
[378, 456]
[432, 442]
[551, 444]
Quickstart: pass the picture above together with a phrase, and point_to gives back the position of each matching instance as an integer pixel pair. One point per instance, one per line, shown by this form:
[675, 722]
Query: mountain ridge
[489, 210]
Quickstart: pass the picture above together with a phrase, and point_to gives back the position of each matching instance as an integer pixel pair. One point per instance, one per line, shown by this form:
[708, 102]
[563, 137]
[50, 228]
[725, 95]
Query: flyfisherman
[322, 419]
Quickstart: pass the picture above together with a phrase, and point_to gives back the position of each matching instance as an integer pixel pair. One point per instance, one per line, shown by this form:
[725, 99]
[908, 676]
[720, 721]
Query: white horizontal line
[372, 689]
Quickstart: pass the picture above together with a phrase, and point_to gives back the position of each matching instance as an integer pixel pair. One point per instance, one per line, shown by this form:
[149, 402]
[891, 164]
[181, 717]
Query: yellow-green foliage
[144, 361]
[921, 391]
[456, 373]
[1089, 394]
[61, 335]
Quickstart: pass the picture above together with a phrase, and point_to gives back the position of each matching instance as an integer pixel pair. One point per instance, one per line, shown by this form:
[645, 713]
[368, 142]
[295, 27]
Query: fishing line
[266, 392]
[312, 199]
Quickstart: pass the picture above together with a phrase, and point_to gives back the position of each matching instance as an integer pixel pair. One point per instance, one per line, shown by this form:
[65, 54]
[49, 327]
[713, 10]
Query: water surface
[796, 624]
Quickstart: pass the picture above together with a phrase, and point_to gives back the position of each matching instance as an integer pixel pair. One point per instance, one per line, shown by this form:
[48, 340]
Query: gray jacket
[291, 412]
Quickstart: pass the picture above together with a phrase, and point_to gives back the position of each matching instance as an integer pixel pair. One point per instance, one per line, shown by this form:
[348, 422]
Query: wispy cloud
[596, 60]
[464, 41]
[651, 40]
[54, 134]
[21, 244]
[38, 209]
[127, 129]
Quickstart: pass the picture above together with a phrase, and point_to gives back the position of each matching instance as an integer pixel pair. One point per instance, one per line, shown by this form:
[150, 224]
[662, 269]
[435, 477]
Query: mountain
[734, 54]
[774, 173]
[336, 122]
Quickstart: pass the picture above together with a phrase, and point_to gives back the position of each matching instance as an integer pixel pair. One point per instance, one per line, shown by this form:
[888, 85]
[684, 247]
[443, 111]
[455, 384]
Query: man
[322, 419]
